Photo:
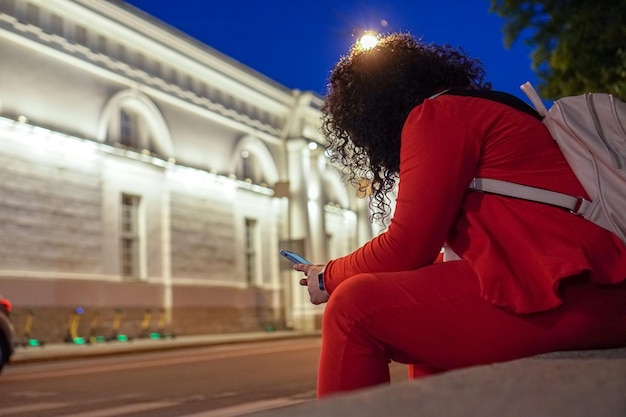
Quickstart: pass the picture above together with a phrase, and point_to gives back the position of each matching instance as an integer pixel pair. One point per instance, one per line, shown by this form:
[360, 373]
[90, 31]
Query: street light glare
[368, 40]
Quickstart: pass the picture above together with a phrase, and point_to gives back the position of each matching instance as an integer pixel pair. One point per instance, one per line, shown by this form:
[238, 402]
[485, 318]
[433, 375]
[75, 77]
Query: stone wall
[62, 310]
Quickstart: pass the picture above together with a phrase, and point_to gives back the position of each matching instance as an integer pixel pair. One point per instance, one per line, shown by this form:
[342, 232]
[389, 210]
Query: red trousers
[434, 317]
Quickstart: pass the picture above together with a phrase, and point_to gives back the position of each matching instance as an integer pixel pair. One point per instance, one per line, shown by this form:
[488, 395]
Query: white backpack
[590, 129]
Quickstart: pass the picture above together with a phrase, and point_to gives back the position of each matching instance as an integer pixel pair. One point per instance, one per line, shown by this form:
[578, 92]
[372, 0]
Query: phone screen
[293, 257]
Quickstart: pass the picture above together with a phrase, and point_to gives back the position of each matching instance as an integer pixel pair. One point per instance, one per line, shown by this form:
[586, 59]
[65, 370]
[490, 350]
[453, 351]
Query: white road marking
[29, 408]
[247, 408]
[124, 409]
[232, 411]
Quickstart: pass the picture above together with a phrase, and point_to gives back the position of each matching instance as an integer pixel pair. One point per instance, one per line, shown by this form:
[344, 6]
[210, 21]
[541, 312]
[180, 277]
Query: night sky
[297, 42]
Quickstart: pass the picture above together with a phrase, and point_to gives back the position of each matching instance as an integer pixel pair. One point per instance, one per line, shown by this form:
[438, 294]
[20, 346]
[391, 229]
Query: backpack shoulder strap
[530, 91]
[499, 96]
[576, 205]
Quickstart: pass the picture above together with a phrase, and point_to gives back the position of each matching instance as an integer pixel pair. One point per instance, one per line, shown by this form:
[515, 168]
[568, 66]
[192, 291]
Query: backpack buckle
[581, 206]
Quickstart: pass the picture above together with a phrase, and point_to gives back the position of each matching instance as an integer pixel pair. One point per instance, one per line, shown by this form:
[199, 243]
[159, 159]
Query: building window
[56, 25]
[247, 164]
[251, 251]
[185, 82]
[8, 7]
[330, 247]
[200, 89]
[249, 168]
[121, 53]
[128, 129]
[140, 61]
[80, 35]
[101, 44]
[33, 15]
[131, 130]
[157, 70]
[130, 238]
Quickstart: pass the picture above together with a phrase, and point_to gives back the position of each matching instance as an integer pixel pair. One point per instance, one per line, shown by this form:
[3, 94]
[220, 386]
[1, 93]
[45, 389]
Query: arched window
[249, 168]
[334, 190]
[129, 131]
[131, 120]
[253, 161]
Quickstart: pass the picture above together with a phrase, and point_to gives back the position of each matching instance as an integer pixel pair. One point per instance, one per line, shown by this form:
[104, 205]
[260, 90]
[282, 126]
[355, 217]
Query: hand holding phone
[294, 257]
[316, 287]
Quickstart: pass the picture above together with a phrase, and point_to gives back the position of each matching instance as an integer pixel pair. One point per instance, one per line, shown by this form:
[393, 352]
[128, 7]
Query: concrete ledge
[560, 384]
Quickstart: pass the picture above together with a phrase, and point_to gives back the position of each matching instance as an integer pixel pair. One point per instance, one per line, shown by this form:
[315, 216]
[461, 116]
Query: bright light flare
[368, 40]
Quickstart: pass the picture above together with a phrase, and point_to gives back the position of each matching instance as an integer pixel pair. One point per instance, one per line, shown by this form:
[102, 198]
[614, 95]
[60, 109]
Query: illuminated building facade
[146, 173]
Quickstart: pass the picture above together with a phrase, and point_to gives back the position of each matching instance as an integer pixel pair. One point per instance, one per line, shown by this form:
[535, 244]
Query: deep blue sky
[297, 42]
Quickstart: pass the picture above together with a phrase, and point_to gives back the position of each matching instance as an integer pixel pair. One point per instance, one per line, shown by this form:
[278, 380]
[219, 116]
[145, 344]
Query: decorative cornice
[202, 56]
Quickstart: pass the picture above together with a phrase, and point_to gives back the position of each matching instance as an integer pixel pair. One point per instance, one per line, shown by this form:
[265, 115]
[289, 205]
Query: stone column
[299, 166]
[307, 222]
[166, 250]
[365, 229]
[315, 206]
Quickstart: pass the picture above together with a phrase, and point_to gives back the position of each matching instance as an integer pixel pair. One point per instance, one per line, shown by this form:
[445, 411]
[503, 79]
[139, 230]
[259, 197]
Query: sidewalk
[560, 384]
[65, 351]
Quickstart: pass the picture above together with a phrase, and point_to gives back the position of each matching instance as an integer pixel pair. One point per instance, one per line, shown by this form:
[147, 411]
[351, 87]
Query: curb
[61, 351]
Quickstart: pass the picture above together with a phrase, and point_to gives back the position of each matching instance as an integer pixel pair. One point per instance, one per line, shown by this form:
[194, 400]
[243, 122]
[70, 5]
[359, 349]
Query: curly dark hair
[370, 94]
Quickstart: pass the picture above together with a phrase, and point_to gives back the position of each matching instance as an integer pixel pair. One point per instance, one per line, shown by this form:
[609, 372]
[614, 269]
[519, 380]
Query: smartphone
[294, 257]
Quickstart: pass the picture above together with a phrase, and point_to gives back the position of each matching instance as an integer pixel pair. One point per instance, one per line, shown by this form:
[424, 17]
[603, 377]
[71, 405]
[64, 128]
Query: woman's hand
[311, 281]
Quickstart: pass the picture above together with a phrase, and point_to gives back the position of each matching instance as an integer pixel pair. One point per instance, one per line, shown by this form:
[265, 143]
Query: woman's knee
[351, 298]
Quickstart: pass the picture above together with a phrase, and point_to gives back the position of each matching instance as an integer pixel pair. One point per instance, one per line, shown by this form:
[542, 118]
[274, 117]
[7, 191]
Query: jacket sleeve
[437, 161]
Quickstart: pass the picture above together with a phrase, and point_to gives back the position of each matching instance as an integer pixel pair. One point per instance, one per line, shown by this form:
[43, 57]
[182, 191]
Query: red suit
[530, 278]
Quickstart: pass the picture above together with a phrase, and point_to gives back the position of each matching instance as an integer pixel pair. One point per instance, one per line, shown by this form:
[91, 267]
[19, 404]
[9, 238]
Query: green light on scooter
[78, 341]
[122, 338]
[33, 342]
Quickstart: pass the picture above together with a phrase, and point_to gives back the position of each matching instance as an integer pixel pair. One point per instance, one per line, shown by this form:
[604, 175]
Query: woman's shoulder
[496, 96]
[468, 97]
[468, 105]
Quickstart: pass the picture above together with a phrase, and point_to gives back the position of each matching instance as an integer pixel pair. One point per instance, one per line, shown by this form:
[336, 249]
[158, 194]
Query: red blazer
[519, 249]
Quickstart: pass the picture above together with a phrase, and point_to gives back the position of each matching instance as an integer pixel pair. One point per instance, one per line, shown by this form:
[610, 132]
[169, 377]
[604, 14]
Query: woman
[530, 278]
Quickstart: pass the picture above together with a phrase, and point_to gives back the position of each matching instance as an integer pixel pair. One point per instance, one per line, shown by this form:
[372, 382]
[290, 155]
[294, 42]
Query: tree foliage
[578, 46]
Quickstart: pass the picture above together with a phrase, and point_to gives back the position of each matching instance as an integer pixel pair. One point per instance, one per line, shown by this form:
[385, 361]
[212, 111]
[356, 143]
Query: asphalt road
[218, 381]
